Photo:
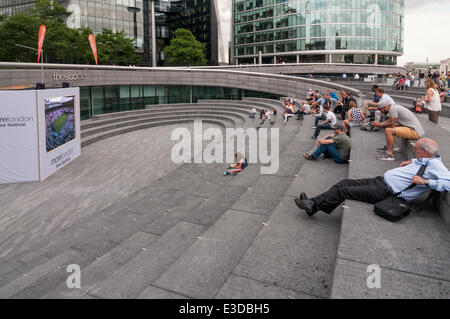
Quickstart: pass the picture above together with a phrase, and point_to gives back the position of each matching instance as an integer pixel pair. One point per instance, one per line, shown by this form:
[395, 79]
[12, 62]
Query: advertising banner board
[19, 151]
[39, 131]
[59, 128]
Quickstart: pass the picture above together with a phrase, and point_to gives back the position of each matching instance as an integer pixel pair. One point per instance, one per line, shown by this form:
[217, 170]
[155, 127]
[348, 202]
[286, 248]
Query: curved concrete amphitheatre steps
[244, 232]
[231, 113]
[158, 116]
[216, 120]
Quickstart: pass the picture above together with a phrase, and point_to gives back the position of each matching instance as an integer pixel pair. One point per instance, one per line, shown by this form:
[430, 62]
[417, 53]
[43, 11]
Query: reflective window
[374, 25]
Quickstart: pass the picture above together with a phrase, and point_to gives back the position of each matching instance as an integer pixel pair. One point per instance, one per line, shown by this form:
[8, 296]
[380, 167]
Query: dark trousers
[338, 109]
[299, 114]
[320, 127]
[371, 190]
[319, 118]
[344, 111]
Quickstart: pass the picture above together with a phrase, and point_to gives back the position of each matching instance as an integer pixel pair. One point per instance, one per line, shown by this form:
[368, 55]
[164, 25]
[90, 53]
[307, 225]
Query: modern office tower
[320, 31]
[10, 7]
[118, 15]
[198, 16]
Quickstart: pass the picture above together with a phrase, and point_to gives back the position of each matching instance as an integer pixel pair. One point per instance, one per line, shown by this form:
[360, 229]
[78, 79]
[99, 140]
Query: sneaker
[226, 173]
[308, 156]
[384, 149]
[314, 127]
[386, 157]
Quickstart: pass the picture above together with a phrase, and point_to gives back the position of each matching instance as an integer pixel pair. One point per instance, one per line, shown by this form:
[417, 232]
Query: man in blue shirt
[374, 190]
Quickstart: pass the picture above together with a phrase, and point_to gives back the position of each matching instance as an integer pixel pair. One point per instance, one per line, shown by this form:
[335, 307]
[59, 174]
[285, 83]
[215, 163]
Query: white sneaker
[314, 127]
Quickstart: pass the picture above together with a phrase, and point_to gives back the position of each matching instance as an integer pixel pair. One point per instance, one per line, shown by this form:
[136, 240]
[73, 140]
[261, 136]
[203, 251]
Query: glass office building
[198, 16]
[116, 15]
[322, 31]
[109, 99]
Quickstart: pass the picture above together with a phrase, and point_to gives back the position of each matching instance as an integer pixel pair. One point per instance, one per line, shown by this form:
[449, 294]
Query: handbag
[394, 208]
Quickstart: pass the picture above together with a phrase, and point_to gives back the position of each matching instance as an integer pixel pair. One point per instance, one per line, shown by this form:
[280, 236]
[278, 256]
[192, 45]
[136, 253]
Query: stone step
[441, 136]
[104, 266]
[215, 120]
[134, 277]
[191, 114]
[413, 254]
[158, 108]
[247, 104]
[205, 266]
[155, 111]
[292, 254]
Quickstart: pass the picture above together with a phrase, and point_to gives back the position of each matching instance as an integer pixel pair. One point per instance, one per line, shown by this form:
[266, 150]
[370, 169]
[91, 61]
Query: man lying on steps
[374, 190]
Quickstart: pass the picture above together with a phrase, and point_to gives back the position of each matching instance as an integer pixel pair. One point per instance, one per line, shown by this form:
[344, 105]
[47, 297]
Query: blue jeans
[329, 150]
[319, 118]
[322, 127]
[299, 114]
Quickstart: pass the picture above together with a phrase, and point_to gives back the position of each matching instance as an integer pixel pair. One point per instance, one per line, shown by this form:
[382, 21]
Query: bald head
[427, 146]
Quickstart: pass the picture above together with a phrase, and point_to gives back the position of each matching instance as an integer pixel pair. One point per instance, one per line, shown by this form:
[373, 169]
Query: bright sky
[426, 30]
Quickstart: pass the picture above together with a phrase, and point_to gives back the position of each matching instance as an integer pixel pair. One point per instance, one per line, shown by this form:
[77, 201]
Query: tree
[46, 10]
[184, 50]
[115, 48]
[19, 29]
[62, 44]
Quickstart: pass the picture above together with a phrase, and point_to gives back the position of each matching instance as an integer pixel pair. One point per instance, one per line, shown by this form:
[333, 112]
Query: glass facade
[10, 7]
[109, 99]
[295, 29]
[198, 16]
[116, 15]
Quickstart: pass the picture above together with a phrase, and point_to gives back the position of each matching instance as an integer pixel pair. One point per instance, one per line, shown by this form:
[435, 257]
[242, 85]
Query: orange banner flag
[93, 47]
[42, 31]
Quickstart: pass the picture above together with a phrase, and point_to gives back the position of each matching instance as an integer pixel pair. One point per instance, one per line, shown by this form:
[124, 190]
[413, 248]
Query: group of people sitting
[264, 115]
[341, 115]
[412, 179]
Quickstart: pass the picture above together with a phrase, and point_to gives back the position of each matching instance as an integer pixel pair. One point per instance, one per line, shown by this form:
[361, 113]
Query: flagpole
[42, 66]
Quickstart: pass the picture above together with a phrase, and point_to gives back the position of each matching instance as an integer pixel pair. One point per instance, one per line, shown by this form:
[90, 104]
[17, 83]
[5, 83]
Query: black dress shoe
[303, 196]
[307, 205]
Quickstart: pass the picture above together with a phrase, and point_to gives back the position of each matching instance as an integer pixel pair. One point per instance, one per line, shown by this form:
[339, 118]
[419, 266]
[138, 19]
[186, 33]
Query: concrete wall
[316, 68]
[13, 74]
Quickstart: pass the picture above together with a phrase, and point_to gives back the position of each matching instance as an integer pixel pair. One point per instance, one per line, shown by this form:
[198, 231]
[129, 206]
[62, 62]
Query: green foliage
[19, 29]
[46, 11]
[62, 44]
[115, 48]
[185, 50]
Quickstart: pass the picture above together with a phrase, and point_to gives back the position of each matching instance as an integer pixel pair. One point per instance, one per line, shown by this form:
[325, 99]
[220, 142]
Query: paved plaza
[140, 226]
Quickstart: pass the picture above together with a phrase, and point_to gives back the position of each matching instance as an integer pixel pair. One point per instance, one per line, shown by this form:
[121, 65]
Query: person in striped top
[354, 119]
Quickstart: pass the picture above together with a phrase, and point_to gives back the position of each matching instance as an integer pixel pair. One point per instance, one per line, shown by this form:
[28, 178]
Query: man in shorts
[401, 123]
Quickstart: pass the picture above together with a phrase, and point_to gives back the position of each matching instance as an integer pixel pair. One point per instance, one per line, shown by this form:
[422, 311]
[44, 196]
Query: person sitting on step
[289, 111]
[240, 164]
[355, 118]
[373, 190]
[401, 123]
[336, 146]
[328, 124]
[253, 112]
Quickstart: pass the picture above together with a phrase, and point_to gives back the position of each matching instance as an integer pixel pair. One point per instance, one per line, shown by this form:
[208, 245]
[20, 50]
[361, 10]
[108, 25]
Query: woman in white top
[433, 101]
